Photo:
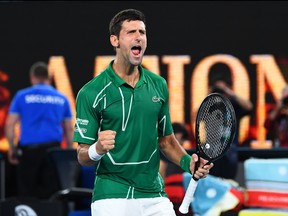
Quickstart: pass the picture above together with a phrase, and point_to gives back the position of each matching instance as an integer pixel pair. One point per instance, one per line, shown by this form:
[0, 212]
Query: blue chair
[87, 178]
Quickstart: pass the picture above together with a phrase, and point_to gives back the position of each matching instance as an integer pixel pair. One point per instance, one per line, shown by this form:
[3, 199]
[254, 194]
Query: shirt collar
[42, 86]
[118, 81]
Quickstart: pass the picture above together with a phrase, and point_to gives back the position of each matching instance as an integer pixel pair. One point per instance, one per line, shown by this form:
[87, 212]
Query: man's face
[132, 42]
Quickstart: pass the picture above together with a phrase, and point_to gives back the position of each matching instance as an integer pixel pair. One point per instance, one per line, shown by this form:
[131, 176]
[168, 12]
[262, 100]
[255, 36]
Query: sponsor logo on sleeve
[82, 121]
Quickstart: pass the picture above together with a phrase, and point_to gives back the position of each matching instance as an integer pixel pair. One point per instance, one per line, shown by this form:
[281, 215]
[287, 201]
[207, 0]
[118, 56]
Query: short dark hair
[127, 14]
[39, 70]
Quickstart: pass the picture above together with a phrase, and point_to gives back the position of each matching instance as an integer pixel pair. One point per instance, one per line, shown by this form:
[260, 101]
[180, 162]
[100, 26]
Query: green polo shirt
[139, 115]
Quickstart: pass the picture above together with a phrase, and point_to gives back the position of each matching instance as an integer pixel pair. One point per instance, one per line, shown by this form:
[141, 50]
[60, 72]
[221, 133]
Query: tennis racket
[214, 132]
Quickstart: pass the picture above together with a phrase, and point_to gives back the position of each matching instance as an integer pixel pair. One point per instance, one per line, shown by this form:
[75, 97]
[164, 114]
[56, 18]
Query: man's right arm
[83, 156]
[89, 154]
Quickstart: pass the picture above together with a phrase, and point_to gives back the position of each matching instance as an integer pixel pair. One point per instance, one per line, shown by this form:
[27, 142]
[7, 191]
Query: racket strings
[214, 130]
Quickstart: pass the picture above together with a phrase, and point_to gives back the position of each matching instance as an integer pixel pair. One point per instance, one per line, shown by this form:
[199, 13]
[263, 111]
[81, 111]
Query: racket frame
[184, 207]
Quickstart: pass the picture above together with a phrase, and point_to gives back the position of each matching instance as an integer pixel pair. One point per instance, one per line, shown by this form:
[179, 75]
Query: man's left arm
[172, 149]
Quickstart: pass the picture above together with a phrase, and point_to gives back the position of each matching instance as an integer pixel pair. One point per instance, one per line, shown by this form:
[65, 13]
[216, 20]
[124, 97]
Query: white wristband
[93, 155]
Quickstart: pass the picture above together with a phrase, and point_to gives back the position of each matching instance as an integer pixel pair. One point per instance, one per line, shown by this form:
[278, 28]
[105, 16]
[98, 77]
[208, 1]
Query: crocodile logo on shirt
[155, 99]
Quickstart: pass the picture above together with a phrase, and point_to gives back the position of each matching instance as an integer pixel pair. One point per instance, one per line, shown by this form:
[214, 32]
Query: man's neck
[130, 74]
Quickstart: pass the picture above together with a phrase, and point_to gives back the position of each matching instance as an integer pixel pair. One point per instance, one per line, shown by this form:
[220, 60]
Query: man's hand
[203, 169]
[12, 156]
[106, 141]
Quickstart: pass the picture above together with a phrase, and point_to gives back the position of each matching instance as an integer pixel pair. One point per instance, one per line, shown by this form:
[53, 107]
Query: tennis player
[121, 124]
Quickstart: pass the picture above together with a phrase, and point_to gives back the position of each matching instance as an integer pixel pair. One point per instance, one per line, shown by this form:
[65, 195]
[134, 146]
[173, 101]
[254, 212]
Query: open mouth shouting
[136, 50]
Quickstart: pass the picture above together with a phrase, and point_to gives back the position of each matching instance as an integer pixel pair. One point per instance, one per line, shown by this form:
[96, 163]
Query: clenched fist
[106, 141]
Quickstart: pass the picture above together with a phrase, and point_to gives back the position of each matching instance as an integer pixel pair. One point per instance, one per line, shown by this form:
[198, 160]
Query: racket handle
[184, 207]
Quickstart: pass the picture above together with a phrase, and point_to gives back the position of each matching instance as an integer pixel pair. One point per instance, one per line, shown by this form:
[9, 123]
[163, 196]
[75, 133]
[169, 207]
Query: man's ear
[114, 41]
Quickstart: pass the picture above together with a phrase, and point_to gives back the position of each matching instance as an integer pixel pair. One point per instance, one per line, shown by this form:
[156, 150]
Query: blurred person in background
[227, 166]
[45, 116]
[277, 120]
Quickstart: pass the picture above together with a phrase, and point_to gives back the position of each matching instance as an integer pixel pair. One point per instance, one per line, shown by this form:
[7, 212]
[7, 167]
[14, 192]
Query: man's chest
[122, 103]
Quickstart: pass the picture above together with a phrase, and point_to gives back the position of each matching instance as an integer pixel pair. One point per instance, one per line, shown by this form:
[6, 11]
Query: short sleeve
[164, 120]
[87, 121]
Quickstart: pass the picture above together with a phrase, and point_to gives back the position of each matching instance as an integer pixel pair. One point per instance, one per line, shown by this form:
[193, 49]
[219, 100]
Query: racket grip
[184, 207]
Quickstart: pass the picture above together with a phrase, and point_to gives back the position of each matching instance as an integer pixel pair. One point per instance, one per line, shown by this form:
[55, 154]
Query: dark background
[32, 31]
